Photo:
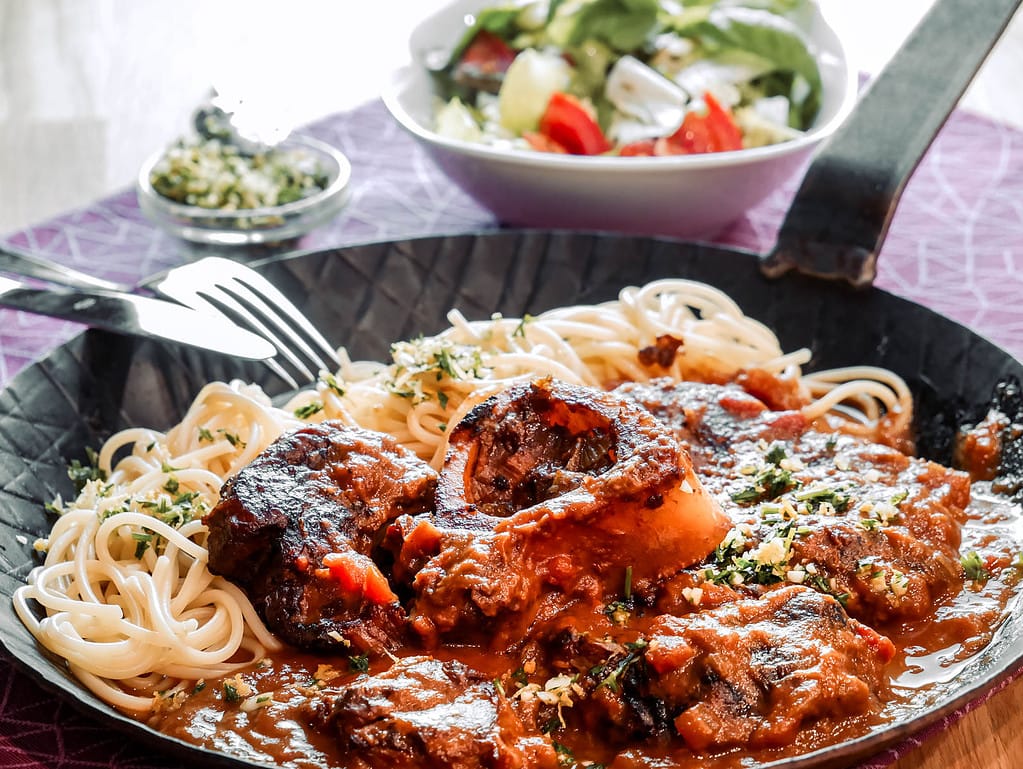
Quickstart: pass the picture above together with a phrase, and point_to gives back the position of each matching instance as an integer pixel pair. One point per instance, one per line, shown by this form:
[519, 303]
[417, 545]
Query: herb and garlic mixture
[638, 78]
[212, 174]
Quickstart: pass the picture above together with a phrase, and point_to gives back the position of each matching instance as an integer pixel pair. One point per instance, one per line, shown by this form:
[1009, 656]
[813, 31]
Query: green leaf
[306, 411]
[725, 31]
[624, 25]
[501, 20]
[974, 567]
[359, 663]
[81, 474]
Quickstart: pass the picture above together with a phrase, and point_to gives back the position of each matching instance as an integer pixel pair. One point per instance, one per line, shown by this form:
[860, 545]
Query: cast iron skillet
[370, 295]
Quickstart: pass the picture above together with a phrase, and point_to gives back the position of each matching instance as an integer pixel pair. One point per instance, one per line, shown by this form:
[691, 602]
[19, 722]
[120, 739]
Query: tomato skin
[881, 645]
[716, 131]
[357, 576]
[543, 143]
[645, 148]
[487, 54]
[567, 123]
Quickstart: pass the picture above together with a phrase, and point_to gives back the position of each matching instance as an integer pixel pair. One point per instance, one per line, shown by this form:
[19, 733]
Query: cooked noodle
[128, 599]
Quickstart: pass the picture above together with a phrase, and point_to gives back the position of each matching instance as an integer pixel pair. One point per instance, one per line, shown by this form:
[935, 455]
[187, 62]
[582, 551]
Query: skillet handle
[841, 213]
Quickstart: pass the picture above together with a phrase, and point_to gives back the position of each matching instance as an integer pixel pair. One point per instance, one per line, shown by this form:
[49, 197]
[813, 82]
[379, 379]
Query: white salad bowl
[680, 195]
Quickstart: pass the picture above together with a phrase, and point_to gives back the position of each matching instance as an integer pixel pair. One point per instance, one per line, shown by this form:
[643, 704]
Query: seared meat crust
[752, 672]
[426, 714]
[549, 493]
[325, 491]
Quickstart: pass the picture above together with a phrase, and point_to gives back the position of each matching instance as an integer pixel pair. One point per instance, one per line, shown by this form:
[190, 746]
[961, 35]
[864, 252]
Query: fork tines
[245, 296]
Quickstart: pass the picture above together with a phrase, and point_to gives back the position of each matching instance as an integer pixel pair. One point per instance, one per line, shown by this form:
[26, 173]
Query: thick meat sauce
[669, 574]
[864, 522]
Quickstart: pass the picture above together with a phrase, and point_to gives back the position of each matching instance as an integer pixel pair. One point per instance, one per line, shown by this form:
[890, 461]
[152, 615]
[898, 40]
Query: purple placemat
[953, 246]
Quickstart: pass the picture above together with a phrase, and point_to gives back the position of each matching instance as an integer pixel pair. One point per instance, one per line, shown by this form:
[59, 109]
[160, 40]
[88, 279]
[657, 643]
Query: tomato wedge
[487, 54]
[644, 148]
[357, 576]
[568, 123]
[715, 131]
[543, 143]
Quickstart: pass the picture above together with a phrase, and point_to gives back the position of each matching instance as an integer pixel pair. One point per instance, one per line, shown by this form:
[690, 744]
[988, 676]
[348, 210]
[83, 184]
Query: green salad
[631, 77]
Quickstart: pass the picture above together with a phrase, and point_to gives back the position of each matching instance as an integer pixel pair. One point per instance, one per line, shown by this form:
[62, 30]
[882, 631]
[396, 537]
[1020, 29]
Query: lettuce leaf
[773, 38]
[624, 25]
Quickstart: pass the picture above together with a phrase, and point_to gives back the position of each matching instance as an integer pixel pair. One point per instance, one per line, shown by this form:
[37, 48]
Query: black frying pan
[373, 294]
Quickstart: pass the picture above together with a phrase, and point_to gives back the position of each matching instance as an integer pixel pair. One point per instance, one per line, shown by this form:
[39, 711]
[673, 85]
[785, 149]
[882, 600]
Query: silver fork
[253, 302]
[229, 288]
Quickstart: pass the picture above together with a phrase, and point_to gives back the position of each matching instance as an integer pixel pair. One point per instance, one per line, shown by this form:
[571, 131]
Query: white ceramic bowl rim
[392, 98]
[341, 170]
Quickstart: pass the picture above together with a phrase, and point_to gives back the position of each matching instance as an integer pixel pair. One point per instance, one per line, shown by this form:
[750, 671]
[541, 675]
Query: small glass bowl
[270, 224]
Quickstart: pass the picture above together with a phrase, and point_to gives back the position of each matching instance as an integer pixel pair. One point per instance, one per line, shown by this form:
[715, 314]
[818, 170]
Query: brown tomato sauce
[537, 616]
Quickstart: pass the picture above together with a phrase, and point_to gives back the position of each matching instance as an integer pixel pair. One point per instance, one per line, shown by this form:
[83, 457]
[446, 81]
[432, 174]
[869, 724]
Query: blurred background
[89, 88]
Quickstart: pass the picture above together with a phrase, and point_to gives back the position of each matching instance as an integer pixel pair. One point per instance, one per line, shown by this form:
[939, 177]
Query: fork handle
[18, 262]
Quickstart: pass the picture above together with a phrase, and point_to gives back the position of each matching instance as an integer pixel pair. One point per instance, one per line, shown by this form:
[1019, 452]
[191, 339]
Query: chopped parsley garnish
[566, 757]
[818, 496]
[205, 435]
[306, 411]
[199, 686]
[81, 474]
[332, 382]
[171, 486]
[770, 482]
[359, 663]
[233, 439]
[426, 361]
[899, 497]
[550, 726]
[618, 611]
[142, 542]
[442, 399]
[613, 672]
[231, 693]
[765, 561]
[186, 499]
[822, 585]
[520, 330]
[177, 511]
[974, 567]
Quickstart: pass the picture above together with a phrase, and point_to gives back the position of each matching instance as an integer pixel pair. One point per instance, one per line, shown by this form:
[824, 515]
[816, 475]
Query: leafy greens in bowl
[631, 78]
[795, 69]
